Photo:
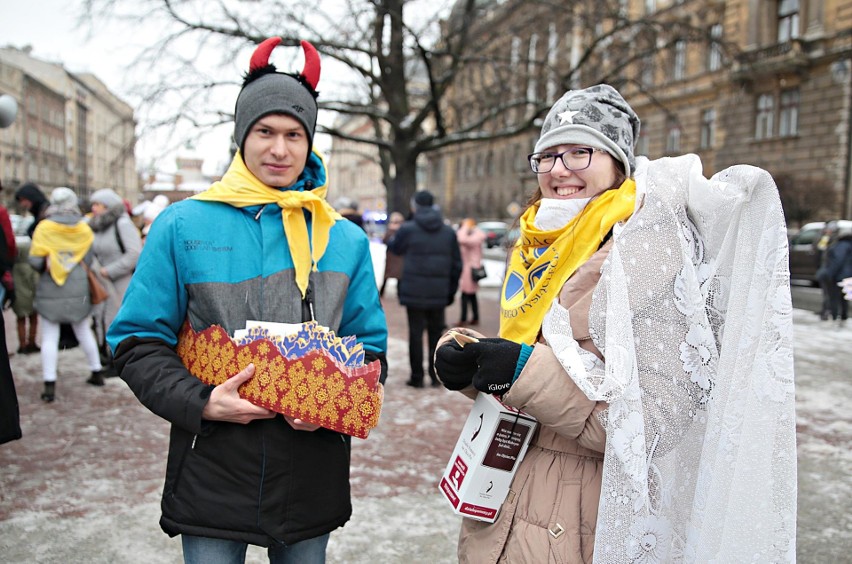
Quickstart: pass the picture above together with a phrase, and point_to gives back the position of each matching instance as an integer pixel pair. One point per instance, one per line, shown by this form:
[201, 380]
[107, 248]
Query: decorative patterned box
[314, 387]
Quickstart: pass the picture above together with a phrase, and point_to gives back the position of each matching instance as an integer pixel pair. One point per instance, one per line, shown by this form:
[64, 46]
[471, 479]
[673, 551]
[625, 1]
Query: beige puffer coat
[551, 511]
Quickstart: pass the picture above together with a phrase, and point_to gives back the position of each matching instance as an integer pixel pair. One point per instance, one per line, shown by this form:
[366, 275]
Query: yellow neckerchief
[542, 261]
[64, 246]
[240, 188]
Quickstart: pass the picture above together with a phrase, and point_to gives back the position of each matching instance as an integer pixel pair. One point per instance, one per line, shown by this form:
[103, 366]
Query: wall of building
[816, 62]
[70, 131]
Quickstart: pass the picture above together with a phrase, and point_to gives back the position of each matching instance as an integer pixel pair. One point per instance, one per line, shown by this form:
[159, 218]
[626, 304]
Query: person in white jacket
[116, 246]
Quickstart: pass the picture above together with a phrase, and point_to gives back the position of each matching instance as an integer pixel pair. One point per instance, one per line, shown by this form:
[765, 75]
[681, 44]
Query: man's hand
[300, 425]
[225, 403]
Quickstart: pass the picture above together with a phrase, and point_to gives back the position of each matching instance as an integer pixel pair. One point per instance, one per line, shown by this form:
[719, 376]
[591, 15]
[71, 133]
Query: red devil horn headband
[311, 71]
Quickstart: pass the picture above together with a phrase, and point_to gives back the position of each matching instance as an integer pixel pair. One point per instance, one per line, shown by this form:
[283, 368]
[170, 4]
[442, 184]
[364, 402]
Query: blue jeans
[204, 550]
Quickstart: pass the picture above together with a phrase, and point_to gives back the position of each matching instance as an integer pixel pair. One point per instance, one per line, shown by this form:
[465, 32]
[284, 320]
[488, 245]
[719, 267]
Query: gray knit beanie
[266, 91]
[596, 116]
[63, 201]
[107, 197]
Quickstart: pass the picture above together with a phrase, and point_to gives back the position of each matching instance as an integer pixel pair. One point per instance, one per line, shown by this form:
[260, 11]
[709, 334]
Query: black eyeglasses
[578, 158]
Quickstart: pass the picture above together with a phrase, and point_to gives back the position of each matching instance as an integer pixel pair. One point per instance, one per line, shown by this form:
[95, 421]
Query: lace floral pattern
[693, 316]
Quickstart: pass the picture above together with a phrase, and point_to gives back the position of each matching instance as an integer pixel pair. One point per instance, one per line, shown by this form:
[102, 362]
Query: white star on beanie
[567, 116]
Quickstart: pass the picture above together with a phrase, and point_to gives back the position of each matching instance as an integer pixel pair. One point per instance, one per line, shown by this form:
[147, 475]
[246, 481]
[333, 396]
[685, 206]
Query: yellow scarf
[240, 188]
[542, 261]
[63, 245]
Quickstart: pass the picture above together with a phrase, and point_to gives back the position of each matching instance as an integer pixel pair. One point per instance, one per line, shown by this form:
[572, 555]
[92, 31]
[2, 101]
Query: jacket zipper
[308, 303]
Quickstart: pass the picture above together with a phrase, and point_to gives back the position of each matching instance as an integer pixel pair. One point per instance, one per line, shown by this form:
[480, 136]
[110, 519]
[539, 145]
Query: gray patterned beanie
[267, 91]
[596, 116]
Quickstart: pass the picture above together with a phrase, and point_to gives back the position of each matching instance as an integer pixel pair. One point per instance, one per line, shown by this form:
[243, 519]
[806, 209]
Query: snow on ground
[83, 485]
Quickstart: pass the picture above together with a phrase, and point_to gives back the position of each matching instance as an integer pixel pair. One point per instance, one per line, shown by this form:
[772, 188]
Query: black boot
[97, 378]
[48, 394]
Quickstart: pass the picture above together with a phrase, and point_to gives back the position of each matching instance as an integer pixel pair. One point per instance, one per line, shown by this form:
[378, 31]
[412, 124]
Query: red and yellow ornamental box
[313, 388]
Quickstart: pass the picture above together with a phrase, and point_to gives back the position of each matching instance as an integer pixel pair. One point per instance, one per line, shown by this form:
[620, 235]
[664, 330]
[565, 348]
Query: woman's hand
[454, 365]
[496, 361]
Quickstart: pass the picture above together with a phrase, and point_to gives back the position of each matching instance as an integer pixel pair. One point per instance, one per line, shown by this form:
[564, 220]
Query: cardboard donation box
[491, 446]
[301, 370]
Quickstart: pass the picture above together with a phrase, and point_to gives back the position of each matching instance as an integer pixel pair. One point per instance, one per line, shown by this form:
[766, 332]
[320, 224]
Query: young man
[261, 244]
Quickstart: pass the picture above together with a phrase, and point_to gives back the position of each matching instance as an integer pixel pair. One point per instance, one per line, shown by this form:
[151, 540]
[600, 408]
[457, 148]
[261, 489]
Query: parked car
[495, 232]
[805, 256]
[512, 237]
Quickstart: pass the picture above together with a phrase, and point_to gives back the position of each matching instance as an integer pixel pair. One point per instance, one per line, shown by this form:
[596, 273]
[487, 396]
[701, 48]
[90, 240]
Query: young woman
[61, 242]
[470, 239]
[645, 323]
[117, 246]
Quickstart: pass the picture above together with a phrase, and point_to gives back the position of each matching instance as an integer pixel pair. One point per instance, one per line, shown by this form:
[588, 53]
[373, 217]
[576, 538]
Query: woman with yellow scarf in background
[646, 325]
[60, 243]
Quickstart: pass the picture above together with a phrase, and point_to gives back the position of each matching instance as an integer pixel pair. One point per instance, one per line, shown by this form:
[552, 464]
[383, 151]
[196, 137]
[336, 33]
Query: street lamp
[8, 110]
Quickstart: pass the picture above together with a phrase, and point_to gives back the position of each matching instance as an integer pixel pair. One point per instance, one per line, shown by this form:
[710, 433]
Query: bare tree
[427, 77]
[801, 206]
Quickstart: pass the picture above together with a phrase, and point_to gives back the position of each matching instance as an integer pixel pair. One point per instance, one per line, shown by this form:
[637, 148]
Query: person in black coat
[838, 265]
[430, 277]
[31, 199]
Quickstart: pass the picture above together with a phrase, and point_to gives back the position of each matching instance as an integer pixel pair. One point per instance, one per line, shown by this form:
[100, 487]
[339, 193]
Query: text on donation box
[491, 445]
[505, 448]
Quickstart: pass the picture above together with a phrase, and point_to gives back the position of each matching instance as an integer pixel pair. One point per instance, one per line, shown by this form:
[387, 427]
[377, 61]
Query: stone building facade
[70, 130]
[354, 169]
[769, 84]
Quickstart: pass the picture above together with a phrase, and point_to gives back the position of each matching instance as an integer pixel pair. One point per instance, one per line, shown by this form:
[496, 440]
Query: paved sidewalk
[83, 485]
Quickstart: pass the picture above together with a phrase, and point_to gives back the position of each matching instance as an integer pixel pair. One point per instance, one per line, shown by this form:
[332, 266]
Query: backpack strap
[118, 238]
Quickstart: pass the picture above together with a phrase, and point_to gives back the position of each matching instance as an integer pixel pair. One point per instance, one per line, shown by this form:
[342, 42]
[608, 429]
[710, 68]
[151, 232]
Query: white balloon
[8, 110]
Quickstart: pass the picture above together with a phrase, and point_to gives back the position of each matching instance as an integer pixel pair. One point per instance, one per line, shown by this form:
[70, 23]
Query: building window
[764, 125]
[673, 138]
[708, 128]
[641, 147]
[650, 6]
[514, 60]
[532, 79]
[679, 60]
[438, 171]
[714, 55]
[552, 46]
[788, 116]
[647, 77]
[788, 20]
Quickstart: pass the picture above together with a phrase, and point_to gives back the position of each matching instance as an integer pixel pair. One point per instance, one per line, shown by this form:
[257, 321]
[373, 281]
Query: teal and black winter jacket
[212, 263]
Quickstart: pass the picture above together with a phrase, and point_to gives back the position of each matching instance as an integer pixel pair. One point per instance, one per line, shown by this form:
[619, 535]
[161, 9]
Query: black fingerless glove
[454, 365]
[499, 362]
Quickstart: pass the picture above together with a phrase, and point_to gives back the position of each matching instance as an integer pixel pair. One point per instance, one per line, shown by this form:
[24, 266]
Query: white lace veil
[693, 315]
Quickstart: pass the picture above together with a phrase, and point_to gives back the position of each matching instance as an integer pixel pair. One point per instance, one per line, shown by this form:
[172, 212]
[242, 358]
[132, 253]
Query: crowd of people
[656, 361]
[47, 276]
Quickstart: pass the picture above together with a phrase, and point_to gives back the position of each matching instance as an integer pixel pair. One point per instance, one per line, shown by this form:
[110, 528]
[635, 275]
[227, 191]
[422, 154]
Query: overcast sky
[49, 27]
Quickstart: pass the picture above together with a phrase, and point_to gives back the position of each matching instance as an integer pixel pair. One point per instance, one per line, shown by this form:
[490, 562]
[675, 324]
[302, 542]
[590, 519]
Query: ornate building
[70, 130]
[354, 169]
[766, 83]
